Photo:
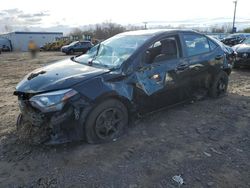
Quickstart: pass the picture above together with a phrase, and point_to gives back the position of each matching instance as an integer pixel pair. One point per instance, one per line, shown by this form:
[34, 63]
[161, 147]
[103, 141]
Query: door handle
[182, 66]
[156, 77]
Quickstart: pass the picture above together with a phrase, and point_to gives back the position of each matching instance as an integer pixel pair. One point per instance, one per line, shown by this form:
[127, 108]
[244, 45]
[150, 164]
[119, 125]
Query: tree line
[102, 31]
[108, 29]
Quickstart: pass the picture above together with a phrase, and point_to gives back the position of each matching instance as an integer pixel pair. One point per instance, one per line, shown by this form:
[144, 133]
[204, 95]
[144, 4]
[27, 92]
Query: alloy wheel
[109, 123]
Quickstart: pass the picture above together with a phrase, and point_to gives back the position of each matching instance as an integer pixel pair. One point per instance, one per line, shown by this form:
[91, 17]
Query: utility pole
[235, 5]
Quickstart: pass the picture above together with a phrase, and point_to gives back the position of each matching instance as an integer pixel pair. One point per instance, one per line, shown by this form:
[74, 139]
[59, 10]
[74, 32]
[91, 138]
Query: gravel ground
[207, 142]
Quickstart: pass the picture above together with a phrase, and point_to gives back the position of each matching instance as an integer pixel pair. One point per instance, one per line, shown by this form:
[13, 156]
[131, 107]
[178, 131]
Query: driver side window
[162, 50]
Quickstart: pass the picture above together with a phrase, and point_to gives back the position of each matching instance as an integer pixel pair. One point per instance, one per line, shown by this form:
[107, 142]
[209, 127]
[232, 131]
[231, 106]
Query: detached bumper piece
[64, 126]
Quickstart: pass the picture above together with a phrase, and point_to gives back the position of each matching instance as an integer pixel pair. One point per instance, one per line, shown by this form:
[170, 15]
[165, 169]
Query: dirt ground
[207, 142]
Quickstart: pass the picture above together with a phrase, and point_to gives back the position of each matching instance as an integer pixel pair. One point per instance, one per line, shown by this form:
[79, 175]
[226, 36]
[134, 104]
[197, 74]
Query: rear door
[204, 57]
[86, 46]
[79, 47]
[163, 78]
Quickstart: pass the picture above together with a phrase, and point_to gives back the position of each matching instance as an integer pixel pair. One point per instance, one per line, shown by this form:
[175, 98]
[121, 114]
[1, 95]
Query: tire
[219, 85]
[71, 51]
[106, 122]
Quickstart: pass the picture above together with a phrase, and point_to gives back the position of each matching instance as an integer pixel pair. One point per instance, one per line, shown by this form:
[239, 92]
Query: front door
[163, 77]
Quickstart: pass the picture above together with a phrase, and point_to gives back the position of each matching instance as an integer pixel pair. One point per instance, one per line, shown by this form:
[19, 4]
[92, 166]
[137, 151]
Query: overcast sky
[48, 13]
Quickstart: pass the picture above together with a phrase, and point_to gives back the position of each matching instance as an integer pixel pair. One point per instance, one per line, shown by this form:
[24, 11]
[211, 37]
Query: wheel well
[127, 103]
[130, 107]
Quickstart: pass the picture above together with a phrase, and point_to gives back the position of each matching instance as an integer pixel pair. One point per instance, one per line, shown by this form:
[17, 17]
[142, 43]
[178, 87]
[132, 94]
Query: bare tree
[246, 30]
[107, 29]
[76, 32]
[217, 29]
[227, 27]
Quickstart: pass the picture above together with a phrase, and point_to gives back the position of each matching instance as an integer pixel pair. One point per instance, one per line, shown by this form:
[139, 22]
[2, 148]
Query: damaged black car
[235, 39]
[92, 97]
[243, 54]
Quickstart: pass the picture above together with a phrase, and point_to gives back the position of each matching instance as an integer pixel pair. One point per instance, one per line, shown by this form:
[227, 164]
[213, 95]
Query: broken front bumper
[63, 126]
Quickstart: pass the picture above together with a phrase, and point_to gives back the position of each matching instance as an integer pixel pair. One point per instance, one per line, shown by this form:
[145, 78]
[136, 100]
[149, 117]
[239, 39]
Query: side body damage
[168, 67]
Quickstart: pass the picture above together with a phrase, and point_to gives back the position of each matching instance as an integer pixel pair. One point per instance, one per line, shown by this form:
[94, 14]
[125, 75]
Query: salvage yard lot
[207, 142]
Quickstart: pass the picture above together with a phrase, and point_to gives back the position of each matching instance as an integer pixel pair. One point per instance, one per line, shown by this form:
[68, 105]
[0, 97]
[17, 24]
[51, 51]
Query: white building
[20, 40]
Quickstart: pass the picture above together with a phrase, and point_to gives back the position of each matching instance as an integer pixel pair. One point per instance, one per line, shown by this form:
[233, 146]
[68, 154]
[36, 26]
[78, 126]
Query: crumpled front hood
[60, 75]
[241, 48]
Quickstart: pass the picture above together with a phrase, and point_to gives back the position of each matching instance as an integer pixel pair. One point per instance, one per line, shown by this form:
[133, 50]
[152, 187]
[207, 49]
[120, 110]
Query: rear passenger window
[196, 44]
[86, 44]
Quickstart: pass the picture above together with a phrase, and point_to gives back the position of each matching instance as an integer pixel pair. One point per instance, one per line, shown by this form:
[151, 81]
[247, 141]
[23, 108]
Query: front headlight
[52, 101]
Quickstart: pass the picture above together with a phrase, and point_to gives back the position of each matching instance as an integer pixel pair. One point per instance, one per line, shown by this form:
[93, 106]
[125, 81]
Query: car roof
[155, 31]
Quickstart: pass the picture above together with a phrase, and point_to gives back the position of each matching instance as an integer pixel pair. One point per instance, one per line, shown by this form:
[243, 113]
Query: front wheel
[106, 122]
[71, 51]
[219, 85]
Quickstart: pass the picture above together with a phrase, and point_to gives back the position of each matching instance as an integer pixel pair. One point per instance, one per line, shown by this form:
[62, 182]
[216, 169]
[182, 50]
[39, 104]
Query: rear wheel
[106, 122]
[71, 51]
[219, 85]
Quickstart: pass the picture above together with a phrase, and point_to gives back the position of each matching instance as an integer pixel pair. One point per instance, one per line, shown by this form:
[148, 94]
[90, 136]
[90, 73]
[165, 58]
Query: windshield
[73, 43]
[114, 51]
[247, 41]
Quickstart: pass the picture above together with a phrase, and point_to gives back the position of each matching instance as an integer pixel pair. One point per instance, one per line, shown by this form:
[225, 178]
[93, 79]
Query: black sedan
[93, 96]
[243, 54]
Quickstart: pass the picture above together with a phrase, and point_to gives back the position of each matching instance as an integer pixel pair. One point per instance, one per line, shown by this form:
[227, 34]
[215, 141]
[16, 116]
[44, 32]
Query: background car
[77, 46]
[234, 39]
[6, 48]
[243, 54]
[5, 45]
[230, 53]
